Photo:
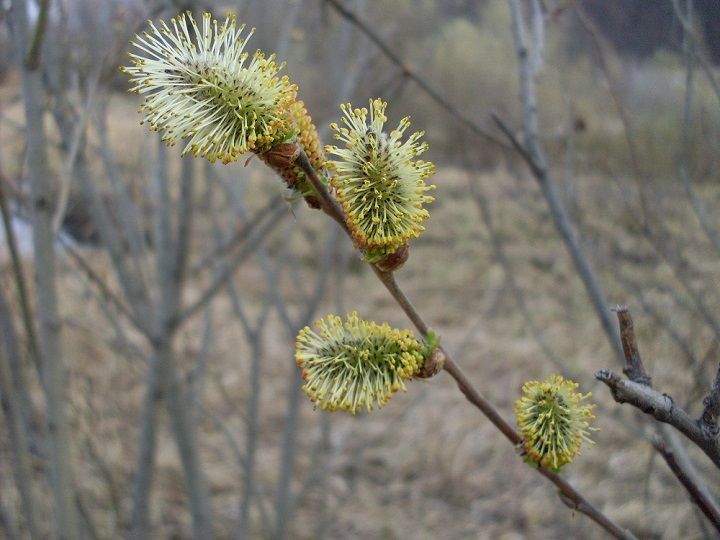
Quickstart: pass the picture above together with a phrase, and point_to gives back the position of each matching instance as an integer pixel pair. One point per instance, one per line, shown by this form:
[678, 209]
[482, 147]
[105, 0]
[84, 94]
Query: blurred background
[149, 303]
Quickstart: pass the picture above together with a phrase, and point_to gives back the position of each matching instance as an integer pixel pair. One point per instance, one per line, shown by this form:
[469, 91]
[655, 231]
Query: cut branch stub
[634, 368]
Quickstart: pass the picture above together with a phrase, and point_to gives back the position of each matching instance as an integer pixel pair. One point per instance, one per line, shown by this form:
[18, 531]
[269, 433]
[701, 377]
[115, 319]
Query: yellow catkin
[202, 87]
[553, 422]
[354, 364]
[378, 181]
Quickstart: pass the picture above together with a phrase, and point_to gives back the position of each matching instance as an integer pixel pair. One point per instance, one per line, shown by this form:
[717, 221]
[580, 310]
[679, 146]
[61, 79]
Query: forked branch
[637, 391]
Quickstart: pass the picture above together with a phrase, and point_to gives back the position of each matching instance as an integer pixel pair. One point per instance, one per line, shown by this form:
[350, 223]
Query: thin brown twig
[568, 493]
[104, 288]
[517, 145]
[702, 499]
[409, 73]
[634, 368]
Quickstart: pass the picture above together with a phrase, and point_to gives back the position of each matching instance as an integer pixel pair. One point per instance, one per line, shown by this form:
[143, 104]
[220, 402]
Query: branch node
[433, 365]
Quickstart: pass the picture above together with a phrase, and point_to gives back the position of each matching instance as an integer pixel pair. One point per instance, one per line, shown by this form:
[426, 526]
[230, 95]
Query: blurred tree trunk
[53, 371]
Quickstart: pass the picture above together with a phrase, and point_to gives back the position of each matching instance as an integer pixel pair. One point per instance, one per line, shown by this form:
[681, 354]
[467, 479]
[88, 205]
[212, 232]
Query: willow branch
[638, 392]
[568, 493]
[660, 406]
[700, 497]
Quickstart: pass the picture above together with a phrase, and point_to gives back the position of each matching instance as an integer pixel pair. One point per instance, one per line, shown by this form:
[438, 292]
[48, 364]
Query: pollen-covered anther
[202, 87]
[379, 185]
[552, 421]
[356, 365]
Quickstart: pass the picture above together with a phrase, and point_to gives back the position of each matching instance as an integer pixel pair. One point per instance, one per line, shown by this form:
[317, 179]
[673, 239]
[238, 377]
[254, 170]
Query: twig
[254, 335]
[19, 276]
[170, 260]
[409, 73]
[130, 218]
[17, 426]
[698, 496]
[502, 257]
[105, 290]
[113, 490]
[662, 408]
[533, 154]
[517, 145]
[284, 500]
[228, 269]
[66, 171]
[244, 230]
[697, 48]
[634, 368]
[695, 202]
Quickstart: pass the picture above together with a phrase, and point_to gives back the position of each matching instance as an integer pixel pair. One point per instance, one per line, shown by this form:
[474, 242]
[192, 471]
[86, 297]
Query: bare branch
[16, 424]
[19, 277]
[711, 410]
[697, 48]
[104, 288]
[230, 267]
[284, 499]
[533, 154]
[66, 171]
[243, 232]
[408, 72]
[662, 407]
[698, 495]
[504, 260]
[130, 218]
[695, 202]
